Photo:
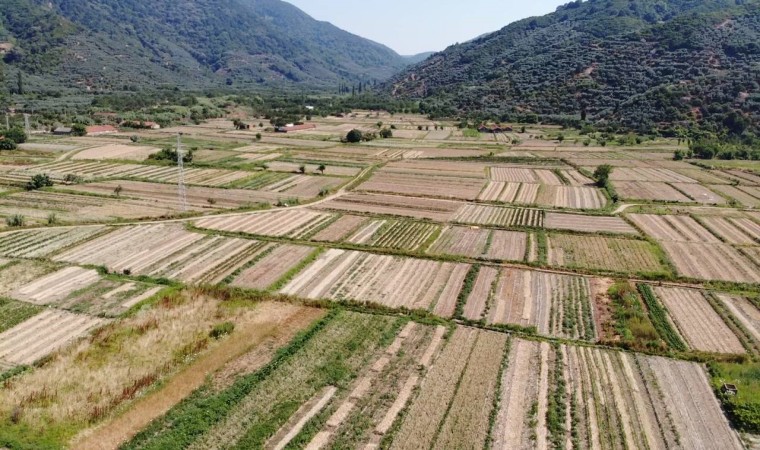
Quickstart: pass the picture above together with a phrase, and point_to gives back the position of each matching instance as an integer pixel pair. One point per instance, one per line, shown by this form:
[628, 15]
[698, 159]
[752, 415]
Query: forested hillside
[109, 44]
[642, 64]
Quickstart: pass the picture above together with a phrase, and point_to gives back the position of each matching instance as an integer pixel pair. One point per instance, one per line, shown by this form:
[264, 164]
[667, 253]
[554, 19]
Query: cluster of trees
[170, 154]
[355, 136]
[711, 148]
[9, 139]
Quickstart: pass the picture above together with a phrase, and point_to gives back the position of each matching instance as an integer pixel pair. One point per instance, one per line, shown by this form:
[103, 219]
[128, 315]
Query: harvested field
[43, 334]
[296, 223]
[165, 174]
[333, 170]
[500, 217]
[423, 185]
[57, 286]
[470, 242]
[641, 190]
[499, 191]
[525, 175]
[610, 400]
[420, 208]
[481, 294]
[271, 266]
[733, 231]
[340, 229]
[739, 195]
[588, 224]
[603, 253]
[481, 243]
[456, 169]
[649, 175]
[108, 298]
[20, 273]
[696, 320]
[711, 262]
[116, 151]
[527, 194]
[700, 194]
[198, 198]
[507, 246]
[573, 197]
[208, 261]
[134, 248]
[390, 281]
[746, 177]
[396, 234]
[303, 185]
[44, 242]
[556, 305]
[673, 228]
[745, 311]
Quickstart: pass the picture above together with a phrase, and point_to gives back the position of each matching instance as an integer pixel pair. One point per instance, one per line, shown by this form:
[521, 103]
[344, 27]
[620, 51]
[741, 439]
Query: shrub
[16, 220]
[222, 329]
[7, 144]
[39, 181]
[386, 133]
[16, 135]
[354, 136]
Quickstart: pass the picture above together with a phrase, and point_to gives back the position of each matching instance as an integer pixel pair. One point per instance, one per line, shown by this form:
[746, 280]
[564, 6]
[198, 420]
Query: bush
[602, 175]
[39, 181]
[386, 133]
[354, 136]
[7, 144]
[16, 135]
[222, 329]
[16, 220]
[78, 129]
[169, 154]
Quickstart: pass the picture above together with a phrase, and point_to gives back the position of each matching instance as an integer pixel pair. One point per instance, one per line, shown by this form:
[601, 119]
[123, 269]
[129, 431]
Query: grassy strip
[290, 274]
[557, 409]
[496, 404]
[464, 293]
[742, 409]
[7, 375]
[201, 410]
[632, 324]
[659, 318]
[562, 177]
[13, 313]
[542, 245]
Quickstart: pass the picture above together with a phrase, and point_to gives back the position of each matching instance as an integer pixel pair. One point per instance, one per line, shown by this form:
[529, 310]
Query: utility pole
[181, 189]
[27, 126]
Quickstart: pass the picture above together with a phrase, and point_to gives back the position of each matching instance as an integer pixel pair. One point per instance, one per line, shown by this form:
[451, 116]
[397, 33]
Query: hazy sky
[416, 26]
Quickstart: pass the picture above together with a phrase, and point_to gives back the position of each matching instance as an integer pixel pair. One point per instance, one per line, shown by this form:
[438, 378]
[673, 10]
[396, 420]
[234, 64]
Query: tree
[561, 137]
[354, 136]
[322, 168]
[78, 129]
[3, 91]
[602, 175]
[302, 169]
[258, 136]
[7, 144]
[386, 133]
[678, 155]
[16, 135]
[117, 190]
[19, 83]
[39, 181]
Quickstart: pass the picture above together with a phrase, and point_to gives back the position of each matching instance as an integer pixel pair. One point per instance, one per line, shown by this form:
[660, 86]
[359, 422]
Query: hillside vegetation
[107, 44]
[639, 63]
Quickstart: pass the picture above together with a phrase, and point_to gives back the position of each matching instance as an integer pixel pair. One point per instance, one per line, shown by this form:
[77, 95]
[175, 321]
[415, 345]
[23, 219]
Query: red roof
[100, 129]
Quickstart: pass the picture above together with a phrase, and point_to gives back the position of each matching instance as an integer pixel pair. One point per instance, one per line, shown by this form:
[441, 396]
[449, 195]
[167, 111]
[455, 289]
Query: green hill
[639, 63]
[132, 44]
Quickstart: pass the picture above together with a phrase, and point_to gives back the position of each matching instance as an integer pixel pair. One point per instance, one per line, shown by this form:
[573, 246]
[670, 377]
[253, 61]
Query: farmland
[430, 290]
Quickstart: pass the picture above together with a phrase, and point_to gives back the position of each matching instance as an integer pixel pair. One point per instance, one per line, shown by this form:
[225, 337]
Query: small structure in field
[62, 131]
[98, 130]
[729, 389]
[143, 124]
[289, 128]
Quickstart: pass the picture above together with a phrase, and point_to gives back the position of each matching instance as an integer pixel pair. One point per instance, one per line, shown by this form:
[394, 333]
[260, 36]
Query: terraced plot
[481, 243]
[673, 228]
[589, 224]
[696, 320]
[395, 234]
[736, 194]
[573, 197]
[640, 190]
[295, 223]
[133, 248]
[556, 305]
[423, 185]
[386, 280]
[734, 230]
[57, 286]
[501, 217]
[394, 205]
[745, 311]
[340, 229]
[603, 253]
[271, 265]
[649, 175]
[44, 242]
[700, 194]
[711, 262]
